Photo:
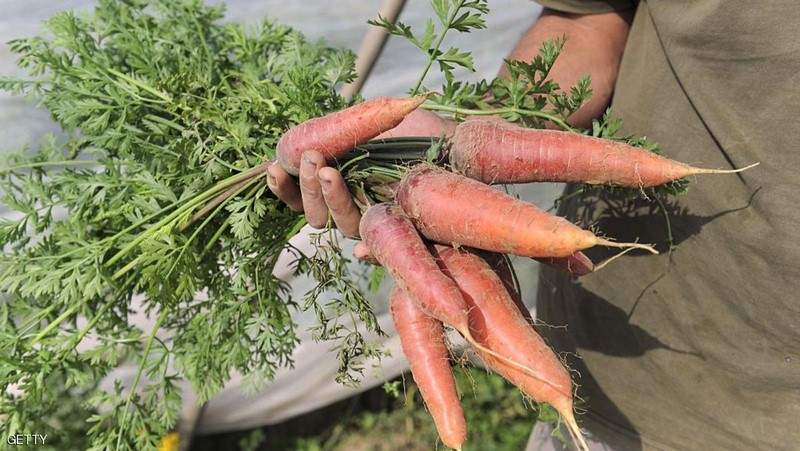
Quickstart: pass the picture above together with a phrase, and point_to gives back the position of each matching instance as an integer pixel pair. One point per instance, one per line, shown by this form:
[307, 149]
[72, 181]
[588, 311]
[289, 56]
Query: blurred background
[304, 408]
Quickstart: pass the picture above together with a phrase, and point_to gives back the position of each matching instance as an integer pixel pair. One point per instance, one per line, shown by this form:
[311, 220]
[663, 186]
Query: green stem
[83, 332]
[392, 171]
[156, 227]
[27, 325]
[110, 238]
[432, 55]
[215, 237]
[400, 142]
[171, 124]
[201, 35]
[252, 172]
[48, 163]
[61, 318]
[491, 112]
[352, 162]
[139, 372]
[193, 202]
[219, 199]
[131, 264]
[194, 235]
[226, 164]
[141, 85]
[301, 221]
[188, 206]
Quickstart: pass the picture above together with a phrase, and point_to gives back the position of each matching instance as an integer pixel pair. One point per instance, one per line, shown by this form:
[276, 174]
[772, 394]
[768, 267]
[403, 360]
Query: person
[698, 348]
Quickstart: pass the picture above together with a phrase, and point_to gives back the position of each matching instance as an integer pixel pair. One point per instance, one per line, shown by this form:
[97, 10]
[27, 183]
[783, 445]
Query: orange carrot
[497, 324]
[452, 209]
[337, 133]
[395, 244]
[502, 267]
[496, 152]
[423, 342]
[576, 264]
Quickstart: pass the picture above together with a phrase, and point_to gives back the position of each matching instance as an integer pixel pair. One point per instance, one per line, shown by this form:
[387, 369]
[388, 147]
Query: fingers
[421, 123]
[361, 252]
[344, 210]
[314, 206]
[321, 188]
[284, 187]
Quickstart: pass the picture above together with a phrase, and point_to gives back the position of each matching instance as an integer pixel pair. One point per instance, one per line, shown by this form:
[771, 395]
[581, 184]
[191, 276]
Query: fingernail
[308, 160]
[271, 181]
[326, 188]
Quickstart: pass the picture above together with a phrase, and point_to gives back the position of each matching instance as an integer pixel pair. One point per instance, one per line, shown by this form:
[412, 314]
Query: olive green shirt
[697, 349]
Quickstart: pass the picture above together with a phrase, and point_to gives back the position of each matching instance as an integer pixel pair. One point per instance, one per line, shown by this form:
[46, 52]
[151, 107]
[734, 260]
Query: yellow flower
[169, 442]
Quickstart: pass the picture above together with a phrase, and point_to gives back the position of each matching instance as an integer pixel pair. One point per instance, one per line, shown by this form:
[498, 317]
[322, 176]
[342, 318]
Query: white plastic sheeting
[310, 384]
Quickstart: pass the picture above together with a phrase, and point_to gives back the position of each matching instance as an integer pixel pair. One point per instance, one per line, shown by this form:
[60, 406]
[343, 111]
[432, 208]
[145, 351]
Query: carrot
[395, 244]
[502, 267]
[337, 133]
[576, 264]
[423, 342]
[497, 324]
[452, 209]
[495, 152]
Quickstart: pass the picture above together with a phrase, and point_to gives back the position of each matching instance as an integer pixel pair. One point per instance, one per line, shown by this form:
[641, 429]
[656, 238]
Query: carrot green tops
[697, 349]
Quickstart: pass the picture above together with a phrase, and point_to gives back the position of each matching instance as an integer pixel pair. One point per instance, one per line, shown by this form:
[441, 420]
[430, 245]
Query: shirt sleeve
[588, 6]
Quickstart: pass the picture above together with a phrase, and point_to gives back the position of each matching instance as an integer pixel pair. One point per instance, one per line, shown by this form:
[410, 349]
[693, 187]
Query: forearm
[594, 46]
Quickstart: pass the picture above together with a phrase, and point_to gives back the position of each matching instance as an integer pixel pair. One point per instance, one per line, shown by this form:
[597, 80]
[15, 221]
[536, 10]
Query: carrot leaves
[459, 15]
[153, 205]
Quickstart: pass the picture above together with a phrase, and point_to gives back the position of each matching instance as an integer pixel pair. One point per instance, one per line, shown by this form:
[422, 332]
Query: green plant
[159, 102]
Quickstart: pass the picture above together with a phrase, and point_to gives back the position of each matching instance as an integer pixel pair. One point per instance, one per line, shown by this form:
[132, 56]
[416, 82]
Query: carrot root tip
[605, 262]
[575, 432]
[722, 171]
[646, 247]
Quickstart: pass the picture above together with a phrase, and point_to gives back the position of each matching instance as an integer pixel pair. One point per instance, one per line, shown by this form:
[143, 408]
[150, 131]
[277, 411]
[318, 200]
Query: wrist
[594, 46]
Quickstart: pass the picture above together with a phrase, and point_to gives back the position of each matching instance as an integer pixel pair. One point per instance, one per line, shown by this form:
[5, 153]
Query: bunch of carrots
[447, 228]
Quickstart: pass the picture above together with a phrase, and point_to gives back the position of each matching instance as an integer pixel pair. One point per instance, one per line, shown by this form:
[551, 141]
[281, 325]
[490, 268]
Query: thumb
[361, 252]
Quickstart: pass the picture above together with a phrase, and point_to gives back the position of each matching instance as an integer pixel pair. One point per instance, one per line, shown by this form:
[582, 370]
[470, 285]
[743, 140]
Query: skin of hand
[320, 190]
[594, 46]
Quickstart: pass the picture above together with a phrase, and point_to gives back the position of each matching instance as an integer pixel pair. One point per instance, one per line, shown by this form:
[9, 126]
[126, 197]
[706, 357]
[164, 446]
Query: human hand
[320, 189]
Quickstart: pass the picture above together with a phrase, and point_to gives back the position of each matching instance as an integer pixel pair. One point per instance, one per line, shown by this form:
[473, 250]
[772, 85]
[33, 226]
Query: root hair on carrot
[605, 262]
[575, 431]
[634, 245]
[527, 370]
[540, 323]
